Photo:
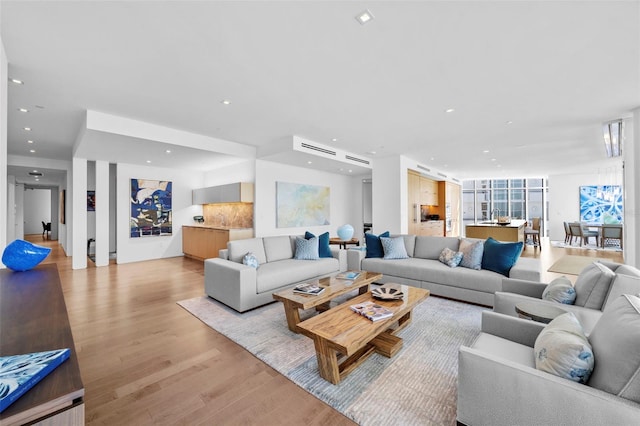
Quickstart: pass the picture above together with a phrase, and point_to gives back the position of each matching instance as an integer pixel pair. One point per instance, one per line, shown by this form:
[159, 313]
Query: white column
[102, 213]
[4, 71]
[631, 153]
[79, 209]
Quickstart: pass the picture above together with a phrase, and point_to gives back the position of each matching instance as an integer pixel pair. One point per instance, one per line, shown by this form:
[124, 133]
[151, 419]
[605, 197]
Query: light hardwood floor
[145, 360]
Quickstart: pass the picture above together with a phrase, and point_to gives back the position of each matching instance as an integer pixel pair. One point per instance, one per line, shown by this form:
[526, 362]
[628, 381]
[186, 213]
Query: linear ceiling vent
[423, 168]
[442, 175]
[455, 180]
[317, 148]
[359, 160]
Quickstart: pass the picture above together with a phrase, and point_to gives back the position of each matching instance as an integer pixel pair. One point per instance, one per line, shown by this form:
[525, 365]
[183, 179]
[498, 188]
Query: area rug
[418, 386]
[589, 246]
[572, 265]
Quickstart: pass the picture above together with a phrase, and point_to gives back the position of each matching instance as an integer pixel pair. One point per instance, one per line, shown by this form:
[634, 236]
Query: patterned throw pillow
[250, 259]
[562, 349]
[394, 248]
[306, 249]
[560, 290]
[450, 258]
[323, 243]
[471, 253]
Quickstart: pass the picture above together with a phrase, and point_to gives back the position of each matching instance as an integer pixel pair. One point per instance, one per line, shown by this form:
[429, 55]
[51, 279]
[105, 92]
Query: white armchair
[498, 383]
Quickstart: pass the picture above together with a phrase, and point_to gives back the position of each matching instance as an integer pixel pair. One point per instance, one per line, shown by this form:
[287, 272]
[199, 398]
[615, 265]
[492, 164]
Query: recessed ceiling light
[364, 17]
[37, 180]
[16, 81]
[433, 158]
[225, 102]
[23, 110]
[148, 161]
[486, 151]
[32, 151]
[34, 171]
[28, 129]
[168, 151]
[350, 170]
[371, 152]
[29, 141]
[509, 122]
[450, 110]
[334, 140]
[308, 162]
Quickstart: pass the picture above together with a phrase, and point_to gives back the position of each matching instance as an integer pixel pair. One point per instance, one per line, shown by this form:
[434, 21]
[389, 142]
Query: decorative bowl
[387, 293]
[503, 223]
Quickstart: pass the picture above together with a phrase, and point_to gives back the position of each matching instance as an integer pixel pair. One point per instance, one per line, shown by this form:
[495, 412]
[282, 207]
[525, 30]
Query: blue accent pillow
[250, 259]
[306, 249]
[374, 245]
[450, 258]
[323, 243]
[394, 248]
[500, 257]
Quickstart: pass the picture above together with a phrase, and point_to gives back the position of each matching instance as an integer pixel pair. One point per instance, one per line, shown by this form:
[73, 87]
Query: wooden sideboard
[204, 242]
[434, 228]
[33, 318]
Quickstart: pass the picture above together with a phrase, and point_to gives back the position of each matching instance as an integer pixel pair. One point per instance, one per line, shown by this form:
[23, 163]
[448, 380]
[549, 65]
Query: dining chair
[46, 228]
[611, 232]
[533, 232]
[576, 232]
[567, 233]
[588, 233]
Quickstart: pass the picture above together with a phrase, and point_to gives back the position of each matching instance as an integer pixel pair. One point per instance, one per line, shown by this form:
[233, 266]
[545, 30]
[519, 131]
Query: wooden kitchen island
[204, 242]
[514, 231]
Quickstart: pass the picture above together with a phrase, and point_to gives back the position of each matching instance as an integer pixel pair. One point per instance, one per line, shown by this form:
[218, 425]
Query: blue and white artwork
[150, 208]
[301, 205]
[601, 204]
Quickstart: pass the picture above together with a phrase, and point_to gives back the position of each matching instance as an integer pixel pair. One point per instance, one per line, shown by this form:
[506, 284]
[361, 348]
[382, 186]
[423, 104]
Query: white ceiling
[553, 70]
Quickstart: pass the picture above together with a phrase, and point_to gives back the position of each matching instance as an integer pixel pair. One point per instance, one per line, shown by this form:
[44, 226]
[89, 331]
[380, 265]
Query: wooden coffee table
[344, 339]
[334, 287]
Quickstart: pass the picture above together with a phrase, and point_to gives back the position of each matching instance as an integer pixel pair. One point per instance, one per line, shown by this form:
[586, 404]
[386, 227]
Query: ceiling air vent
[359, 160]
[317, 148]
[442, 175]
[36, 174]
[423, 168]
[455, 180]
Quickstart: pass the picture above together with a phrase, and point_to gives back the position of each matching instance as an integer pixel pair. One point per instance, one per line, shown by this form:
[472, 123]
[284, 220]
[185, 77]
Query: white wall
[343, 208]
[37, 209]
[19, 210]
[146, 248]
[4, 76]
[564, 196]
[241, 172]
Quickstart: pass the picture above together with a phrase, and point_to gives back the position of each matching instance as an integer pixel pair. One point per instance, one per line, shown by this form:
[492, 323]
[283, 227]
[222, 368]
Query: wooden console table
[33, 318]
[343, 243]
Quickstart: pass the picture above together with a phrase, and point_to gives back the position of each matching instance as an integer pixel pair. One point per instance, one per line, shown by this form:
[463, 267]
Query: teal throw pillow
[323, 243]
[394, 248]
[500, 257]
[306, 249]
[560, 290]
[374, 245]
[472, 251]
[250, 259]
[450, 258]
[562, 349]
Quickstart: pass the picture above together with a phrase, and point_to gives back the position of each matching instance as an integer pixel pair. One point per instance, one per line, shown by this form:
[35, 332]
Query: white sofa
[243, 287]
[423, 269]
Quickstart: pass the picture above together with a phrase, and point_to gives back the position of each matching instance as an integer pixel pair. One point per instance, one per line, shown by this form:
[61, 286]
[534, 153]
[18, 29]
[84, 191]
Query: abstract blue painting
[150, 208]
[601, 204]
[301, 205]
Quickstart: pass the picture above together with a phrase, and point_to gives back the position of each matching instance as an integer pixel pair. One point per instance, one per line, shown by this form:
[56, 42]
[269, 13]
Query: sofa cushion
[306, 249]
[592, 285]
[374, 246]
[238, 248]
[429, 247]
[622, 284]
[250, 259]
[563, 349]
[500, 257]
[616, 345]
[394, 248]
[472, 250]
[409, 242]
[323, 243]
[277, 248]
[560, 290]
[450, 258]
[270, 276]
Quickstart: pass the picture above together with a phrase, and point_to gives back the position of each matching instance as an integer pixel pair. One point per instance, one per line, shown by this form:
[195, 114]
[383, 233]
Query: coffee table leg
[363, 289]
[293, 316]
[327, 361]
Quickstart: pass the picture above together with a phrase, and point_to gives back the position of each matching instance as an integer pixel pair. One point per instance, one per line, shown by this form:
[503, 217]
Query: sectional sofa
[423, 269]
[243, 287]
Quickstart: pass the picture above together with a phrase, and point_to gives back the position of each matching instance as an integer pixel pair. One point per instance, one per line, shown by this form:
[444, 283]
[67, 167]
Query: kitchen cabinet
[449, 206]
[433, 228]
[202, 242]
[428, 192]
[413, 202]
[239, 192]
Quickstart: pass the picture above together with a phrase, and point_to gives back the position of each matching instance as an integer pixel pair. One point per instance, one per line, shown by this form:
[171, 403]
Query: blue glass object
[22, 255]
[345, 232]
